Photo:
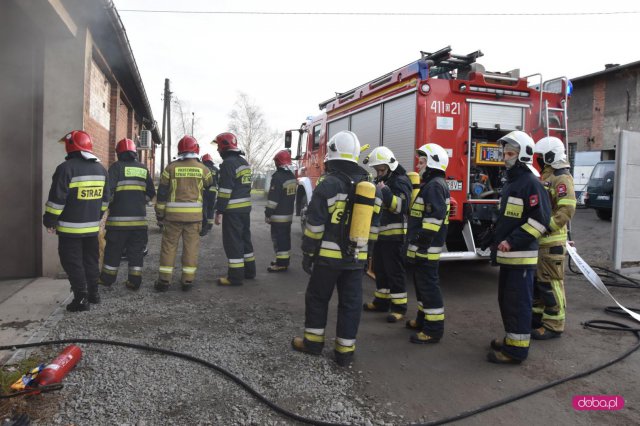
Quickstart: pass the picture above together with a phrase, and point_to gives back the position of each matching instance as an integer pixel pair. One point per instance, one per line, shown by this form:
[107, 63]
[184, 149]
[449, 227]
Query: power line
[220, 12]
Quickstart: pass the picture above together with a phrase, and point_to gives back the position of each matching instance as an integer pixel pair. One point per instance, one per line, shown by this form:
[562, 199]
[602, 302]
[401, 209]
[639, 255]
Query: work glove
[486, 237]
[307, 264]
[205, 229]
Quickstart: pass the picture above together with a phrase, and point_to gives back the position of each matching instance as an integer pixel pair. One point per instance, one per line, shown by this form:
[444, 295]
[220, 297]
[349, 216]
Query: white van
[583, 165]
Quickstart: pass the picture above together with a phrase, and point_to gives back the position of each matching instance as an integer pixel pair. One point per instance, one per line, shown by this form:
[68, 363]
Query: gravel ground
[122, 386]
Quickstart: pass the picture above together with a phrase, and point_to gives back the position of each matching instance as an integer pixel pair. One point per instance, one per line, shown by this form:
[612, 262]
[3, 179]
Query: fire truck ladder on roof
[443, 61]
[562, 126]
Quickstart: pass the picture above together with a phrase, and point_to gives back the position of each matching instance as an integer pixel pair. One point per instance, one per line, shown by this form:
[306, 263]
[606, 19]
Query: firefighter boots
[413, 324]
[372, 307]
[544, 333]
[497, 344]
[498, 357]
[94, 298]
[161, 286]
[421, 338]
[300, 345]
[79, 303]
[187, 285]
[395, 317]
[131, 286]
[344, 359]
[224, 281]
[277, 268]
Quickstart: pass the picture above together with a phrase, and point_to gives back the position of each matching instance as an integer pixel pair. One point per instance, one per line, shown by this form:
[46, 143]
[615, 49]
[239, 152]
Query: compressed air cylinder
[362, 213]
[415, 183]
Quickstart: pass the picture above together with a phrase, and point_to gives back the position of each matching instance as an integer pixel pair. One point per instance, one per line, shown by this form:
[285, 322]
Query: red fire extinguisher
[59, 367]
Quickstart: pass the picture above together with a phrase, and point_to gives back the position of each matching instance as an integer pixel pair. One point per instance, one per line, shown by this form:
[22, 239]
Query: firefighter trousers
[236, 239]
[430, 316]
[281, 238]
[515, 294]
[171, 234]
[388, 266]
[549, 302]
[79, 259]
[319, 292]
[134, 241]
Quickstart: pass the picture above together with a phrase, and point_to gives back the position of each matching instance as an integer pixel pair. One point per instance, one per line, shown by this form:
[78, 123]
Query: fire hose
[594, 324]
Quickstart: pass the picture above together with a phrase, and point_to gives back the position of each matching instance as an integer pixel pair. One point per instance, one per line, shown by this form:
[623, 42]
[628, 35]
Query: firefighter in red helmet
[77, 200]
[179, 208]
[234, 202]
[209, 195]
[279, 209]
[131, 187]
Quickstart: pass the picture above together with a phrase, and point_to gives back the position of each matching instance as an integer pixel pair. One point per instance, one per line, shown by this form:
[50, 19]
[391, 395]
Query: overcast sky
[289, 63]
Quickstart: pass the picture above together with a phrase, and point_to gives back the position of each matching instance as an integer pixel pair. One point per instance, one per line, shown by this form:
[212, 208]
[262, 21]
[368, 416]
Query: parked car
[599, 192]
[583, 165]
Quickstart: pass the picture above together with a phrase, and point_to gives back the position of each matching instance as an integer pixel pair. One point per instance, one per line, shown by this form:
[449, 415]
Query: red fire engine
[449, 100]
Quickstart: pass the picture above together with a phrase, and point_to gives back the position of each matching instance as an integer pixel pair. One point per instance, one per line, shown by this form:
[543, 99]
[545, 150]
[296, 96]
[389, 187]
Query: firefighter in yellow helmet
[179, 207]
[549, 302]
[331, 254]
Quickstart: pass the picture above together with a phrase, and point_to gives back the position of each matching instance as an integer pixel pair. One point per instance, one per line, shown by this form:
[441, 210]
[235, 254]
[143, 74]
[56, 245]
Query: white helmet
[379, 156]
[525, 145]
[437, 157]
[343, 145]
[551, 149]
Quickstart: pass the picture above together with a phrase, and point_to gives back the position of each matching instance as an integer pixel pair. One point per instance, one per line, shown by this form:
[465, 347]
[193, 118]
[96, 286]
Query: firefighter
[130, 188]
[388, 253]
[549, 301]
[328, 255]
[279, 209]
[523, 218]
[209, 196]
[426, 236]
[233, 208]
[179, 207]
[78, 198]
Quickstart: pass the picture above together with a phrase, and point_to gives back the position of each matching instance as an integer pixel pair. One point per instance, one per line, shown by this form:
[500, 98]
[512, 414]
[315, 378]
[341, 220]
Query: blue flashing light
[569, 87]
[423, 70]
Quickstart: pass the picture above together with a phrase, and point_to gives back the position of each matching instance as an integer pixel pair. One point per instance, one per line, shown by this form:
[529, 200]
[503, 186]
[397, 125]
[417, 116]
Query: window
[316, 137]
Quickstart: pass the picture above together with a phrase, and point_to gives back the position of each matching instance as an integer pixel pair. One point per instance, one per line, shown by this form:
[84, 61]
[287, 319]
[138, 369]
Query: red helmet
[125, 145]
[188, 144]
[282, 158]
[77, 140]
[226, 142]
[207, 157]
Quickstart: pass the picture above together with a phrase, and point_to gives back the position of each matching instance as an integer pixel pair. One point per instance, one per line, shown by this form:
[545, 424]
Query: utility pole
[168, 122]
[164, 121]
[193, 117]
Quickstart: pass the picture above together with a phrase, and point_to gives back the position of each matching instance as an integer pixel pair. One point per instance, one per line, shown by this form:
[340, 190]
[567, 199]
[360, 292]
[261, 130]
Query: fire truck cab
[449, 100]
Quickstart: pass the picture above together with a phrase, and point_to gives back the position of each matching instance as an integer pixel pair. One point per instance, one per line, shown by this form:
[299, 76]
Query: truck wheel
[604, 214]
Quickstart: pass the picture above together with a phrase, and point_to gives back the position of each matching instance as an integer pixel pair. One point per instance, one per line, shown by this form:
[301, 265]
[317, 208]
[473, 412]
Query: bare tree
[182, 120]
[258, 141]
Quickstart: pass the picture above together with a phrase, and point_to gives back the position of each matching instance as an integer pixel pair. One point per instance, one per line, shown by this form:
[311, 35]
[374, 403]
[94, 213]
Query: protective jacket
[180, 190]
[523, 218]
[429, 218]
[559, 184]
[281, 197]
[131, 186]
[326, 234]
[234, 192]
[210, 194]
[78, 197]
[396, 196]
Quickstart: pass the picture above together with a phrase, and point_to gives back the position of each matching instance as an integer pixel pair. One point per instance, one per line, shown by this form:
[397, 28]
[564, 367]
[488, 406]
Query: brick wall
[99, 134]
[597, 124]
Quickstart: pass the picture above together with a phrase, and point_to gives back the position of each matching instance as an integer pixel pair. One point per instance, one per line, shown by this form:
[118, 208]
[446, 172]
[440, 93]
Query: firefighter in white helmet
[426, 236]
[548, 293]
[328, 251]
[388, 256]
[523, 219]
